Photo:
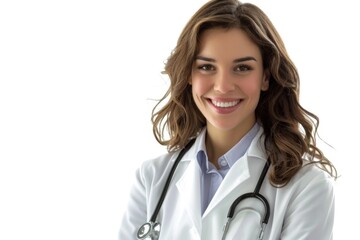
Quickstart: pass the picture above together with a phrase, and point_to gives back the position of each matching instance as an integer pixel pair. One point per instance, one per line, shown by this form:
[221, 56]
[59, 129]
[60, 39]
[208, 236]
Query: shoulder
[165, 162]
[311, 183]
[313, 172]
[155, 167]
[311, 178]
[157, 162]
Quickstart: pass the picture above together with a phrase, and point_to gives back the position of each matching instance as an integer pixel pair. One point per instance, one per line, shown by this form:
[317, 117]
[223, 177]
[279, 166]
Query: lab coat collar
[239, 172]
[256, 148]
[189, 184]
[198, 144]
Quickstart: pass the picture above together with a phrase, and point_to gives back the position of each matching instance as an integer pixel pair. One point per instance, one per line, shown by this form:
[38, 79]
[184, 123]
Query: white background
[77, 79]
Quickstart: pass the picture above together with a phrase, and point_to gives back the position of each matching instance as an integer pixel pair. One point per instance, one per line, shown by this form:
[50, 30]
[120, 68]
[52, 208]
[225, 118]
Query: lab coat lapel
[238, 174]
[232, 181]
[189, 191]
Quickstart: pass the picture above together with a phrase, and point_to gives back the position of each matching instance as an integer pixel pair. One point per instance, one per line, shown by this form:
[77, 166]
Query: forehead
[232, 42]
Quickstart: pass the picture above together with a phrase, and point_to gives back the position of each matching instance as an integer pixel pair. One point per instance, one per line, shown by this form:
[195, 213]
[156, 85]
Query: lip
[222, 103]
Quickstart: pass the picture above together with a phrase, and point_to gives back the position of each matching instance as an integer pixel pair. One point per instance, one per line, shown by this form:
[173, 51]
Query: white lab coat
[303, 209]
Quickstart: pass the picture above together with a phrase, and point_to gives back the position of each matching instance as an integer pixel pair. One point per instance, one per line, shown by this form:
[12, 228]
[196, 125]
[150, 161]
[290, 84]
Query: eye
[206, 67]
[243, 68]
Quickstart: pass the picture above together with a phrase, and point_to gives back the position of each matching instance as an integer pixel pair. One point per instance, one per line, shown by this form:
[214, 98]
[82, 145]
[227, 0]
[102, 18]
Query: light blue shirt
[212, 177]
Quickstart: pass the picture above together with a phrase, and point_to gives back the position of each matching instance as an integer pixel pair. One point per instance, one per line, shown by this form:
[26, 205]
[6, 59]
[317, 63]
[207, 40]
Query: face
[227, 78]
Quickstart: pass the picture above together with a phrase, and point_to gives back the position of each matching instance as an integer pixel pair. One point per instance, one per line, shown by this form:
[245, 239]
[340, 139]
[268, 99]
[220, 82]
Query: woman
[234, 95]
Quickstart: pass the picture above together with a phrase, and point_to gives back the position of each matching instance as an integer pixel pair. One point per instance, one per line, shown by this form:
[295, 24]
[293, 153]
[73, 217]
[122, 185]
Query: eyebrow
[243, 59]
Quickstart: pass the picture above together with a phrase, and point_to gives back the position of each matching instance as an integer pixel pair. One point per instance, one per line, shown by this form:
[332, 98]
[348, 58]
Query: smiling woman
[77, 83]
[233, 105]
[226, 80]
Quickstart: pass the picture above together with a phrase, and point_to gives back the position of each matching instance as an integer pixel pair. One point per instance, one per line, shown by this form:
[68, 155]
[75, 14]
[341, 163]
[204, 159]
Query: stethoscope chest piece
[149, 231]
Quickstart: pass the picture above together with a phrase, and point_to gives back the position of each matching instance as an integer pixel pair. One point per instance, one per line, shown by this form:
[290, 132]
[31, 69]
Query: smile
[225, 104]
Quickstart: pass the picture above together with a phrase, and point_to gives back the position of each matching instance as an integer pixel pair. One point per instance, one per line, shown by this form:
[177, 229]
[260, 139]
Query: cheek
[200, 86]
[252, 86]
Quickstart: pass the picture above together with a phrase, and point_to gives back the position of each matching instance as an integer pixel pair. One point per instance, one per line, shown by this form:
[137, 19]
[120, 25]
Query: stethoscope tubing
[255, 194]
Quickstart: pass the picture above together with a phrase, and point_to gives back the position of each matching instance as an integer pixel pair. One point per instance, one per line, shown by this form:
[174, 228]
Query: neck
[218, 142]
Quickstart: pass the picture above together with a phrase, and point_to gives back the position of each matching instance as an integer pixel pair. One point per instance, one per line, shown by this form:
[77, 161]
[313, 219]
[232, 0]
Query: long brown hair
[289, 129]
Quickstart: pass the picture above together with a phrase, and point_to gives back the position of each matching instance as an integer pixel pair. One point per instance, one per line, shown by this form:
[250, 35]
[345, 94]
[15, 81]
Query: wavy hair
[289, 129]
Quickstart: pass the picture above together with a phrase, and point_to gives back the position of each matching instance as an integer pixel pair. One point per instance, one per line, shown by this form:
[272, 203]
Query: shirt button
[223, 162]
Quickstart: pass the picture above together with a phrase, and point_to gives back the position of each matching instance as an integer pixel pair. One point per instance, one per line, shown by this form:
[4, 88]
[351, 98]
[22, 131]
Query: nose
[224, 82]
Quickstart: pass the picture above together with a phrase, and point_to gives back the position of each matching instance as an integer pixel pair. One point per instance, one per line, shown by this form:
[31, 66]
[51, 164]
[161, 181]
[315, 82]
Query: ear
[265, 80]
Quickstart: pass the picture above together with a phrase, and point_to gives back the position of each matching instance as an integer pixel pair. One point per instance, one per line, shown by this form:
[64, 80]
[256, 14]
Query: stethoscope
[151, 229]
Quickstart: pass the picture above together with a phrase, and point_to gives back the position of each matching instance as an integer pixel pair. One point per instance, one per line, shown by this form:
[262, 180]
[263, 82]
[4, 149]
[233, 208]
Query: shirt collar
[234, 154]
[239, 149]
[201, 155]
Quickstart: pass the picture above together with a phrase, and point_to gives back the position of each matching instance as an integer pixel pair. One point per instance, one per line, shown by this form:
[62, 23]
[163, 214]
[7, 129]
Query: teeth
[225, 104]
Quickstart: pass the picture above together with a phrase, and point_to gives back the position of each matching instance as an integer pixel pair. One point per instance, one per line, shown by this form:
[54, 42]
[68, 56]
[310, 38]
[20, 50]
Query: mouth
[224, 104]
